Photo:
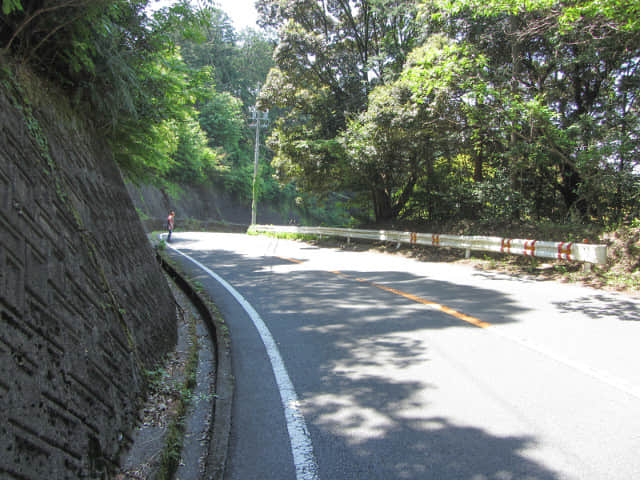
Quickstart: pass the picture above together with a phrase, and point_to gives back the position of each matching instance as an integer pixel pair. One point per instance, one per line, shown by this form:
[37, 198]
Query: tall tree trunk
[382, 205]
[571, 180]
[478, 163]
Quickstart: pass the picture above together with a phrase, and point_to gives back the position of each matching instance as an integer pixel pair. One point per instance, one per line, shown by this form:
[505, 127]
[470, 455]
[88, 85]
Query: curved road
[401, 369]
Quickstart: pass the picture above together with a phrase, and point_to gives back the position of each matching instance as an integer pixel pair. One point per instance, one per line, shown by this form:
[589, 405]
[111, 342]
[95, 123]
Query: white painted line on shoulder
[301, 446]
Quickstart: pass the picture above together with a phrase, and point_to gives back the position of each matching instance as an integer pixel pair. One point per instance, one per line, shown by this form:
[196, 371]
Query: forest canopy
[423, 110]
[452, 109]
[170, 89]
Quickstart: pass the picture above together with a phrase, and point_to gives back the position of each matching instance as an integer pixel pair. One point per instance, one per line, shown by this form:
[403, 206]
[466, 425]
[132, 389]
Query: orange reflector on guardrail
[530, 248]
[564, 250]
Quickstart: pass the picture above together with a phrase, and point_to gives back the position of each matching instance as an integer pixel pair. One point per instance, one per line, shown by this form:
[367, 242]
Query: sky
[242, 12]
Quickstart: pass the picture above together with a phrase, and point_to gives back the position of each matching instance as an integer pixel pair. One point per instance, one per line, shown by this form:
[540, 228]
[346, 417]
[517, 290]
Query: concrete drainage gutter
[224, 384]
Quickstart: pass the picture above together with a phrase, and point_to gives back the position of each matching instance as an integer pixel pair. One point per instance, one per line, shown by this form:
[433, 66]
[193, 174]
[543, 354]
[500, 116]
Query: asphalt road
[409, 370]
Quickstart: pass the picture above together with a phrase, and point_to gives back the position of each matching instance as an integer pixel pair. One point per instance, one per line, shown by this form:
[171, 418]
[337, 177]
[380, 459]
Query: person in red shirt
[170, 223]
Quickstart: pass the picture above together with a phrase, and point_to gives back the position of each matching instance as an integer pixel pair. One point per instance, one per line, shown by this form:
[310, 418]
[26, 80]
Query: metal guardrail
[579, 252]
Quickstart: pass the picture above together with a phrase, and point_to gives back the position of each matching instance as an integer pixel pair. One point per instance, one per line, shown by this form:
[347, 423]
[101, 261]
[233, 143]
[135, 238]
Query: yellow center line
[293, 260]
[414, 298]
[437, 306]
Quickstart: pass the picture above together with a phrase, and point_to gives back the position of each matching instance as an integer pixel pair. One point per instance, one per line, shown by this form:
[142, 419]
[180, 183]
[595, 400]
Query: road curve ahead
[399, 369]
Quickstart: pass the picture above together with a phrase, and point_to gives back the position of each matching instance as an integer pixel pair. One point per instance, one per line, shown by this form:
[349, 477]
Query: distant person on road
[170, 224]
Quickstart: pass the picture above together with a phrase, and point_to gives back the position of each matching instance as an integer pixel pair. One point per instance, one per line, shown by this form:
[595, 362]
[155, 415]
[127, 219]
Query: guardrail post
[581, 252]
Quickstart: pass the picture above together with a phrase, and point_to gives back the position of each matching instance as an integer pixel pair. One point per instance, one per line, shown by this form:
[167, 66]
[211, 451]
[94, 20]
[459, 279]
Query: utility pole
[256, 116]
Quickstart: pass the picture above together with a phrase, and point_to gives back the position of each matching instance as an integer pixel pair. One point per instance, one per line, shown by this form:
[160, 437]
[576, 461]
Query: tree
[330, 55]
[252, 61]
[222, 118]
[559, 88]
[411, 123]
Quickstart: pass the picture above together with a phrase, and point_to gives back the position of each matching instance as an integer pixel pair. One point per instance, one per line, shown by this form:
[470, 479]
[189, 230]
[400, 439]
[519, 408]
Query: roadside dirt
[162, 406]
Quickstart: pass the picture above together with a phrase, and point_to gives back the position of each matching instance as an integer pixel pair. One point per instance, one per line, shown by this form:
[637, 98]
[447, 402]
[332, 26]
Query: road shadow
[431, 449]
[488, 305]
[601, 306]
[345, 339]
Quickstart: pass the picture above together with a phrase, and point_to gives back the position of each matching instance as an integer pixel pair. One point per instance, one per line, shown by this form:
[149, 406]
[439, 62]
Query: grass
[304, 237]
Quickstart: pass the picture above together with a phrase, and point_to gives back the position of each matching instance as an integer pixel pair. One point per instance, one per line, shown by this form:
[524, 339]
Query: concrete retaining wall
[84, 308]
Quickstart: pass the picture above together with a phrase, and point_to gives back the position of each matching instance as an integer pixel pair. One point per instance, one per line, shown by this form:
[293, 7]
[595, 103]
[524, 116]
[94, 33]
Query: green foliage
[9, 6]
[443, 66]
[169, 91]
[537, 103]
[154, 377]
[423, 109]
[329, 56]
[126, 76]
[222, 119]
[623, 12]
[194, 161]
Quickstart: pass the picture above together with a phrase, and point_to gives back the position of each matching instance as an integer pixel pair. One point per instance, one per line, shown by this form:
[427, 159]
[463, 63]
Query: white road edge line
[301, 446]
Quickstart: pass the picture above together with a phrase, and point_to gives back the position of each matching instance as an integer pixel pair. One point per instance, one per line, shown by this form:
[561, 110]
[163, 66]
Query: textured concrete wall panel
[84, 309]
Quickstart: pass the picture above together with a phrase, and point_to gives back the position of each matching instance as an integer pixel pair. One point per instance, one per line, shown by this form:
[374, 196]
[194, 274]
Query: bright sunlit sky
[242, 12]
